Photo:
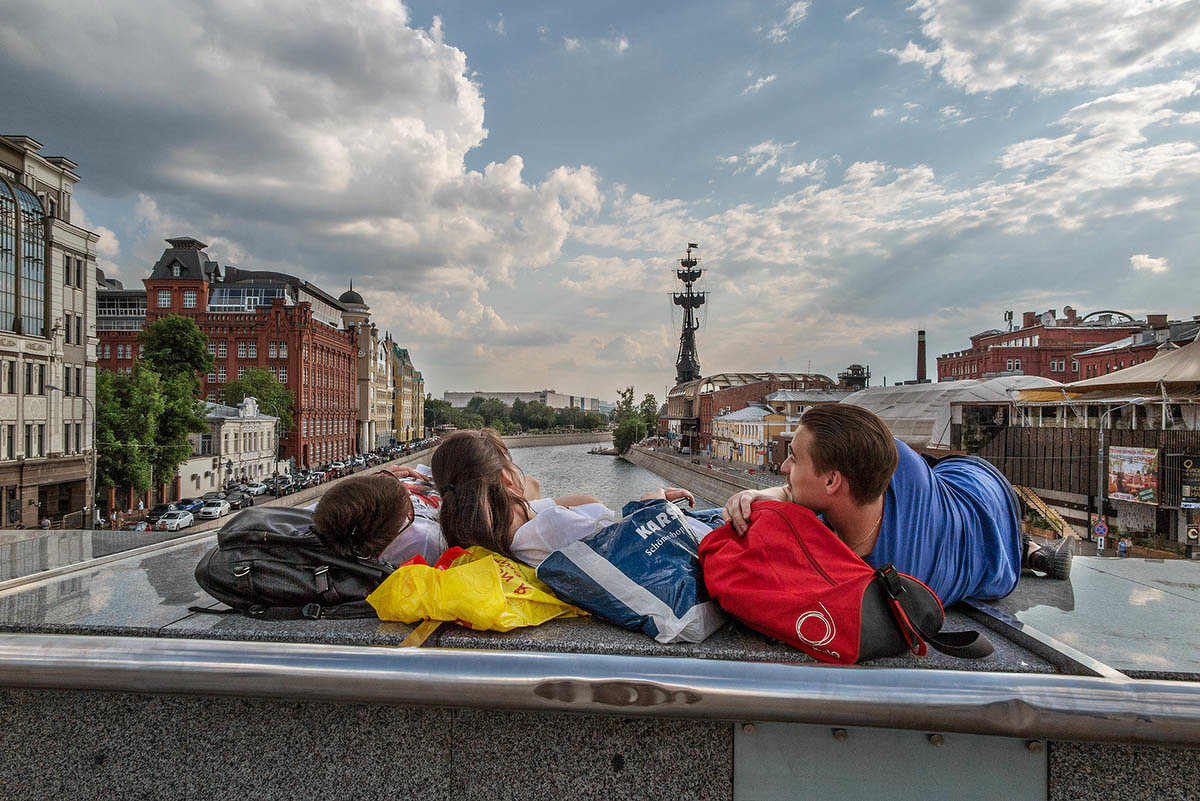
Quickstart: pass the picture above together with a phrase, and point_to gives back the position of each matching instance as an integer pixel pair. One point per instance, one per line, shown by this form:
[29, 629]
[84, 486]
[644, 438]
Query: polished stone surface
[149, 595]
[1137, 615]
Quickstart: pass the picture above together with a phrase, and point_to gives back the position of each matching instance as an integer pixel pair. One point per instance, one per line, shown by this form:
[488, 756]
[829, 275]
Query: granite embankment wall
[699, 478]
[532, 440]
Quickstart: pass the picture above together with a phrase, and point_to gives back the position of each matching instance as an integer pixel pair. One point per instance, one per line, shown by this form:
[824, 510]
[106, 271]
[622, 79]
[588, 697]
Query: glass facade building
[22, 261]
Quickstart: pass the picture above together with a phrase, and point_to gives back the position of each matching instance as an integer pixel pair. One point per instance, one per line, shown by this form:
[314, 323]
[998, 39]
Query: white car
[256, 488]
[211, 510]
[175, 520]
[337, 466]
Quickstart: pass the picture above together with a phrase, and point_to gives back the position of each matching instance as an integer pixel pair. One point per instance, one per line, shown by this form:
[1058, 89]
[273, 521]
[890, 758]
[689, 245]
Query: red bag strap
[963, 644]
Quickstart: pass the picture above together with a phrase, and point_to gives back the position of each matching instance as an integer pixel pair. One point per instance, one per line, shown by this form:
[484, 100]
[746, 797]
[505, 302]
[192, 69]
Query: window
[107, 352]
[67, 381]
[79, 273]
[252, 350]
[175, 269]
[272, 351]
[189, 298]
[221, 353]
[241, 370]
[272, 369]
[221, 374]
[78, 437]
[241, 350]
[67, 333]
[1008, 366]
[164, 299]
[66, 437]
[212, 379]
[28, 440]
[211, 397]
[1074, 365]
[206, 444]
[10, 433]
[79, 330]
[283, 350]
[212, 348]
[282, 375]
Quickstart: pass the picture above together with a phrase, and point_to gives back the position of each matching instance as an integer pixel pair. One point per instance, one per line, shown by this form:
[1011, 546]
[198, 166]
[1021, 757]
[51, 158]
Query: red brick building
[251, 318]
[1139, 347]
[1045, 345]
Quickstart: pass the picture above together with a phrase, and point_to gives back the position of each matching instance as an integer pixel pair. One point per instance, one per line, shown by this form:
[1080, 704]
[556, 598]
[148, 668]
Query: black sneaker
[1052, 559]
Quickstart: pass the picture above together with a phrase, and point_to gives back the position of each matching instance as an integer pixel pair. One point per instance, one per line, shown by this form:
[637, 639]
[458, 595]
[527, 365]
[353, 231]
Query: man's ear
[835, 482]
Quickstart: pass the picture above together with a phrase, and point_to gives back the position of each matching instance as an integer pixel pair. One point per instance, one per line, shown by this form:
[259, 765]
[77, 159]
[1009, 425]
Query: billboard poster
[1190, 490]
[1133, 474]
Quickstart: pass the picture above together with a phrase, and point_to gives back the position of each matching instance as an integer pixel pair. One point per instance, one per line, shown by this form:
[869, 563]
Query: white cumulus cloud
[794, 15]
[1146, 263]
[758, 84]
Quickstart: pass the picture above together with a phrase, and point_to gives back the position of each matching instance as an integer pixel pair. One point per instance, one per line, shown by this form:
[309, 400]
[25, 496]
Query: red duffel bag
[793, 579]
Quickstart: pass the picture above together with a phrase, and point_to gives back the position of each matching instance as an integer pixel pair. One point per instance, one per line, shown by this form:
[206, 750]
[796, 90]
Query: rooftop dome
[350, 296]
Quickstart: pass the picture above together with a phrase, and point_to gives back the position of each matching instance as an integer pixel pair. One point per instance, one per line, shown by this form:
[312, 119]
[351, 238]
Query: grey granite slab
[1133, 614]
[60, 744]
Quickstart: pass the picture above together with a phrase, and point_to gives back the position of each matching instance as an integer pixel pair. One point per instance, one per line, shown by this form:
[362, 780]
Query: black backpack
[268, 563]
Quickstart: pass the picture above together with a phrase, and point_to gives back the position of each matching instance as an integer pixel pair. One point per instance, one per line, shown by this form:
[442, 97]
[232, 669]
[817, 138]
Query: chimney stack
[921, 356]
[1029, 319]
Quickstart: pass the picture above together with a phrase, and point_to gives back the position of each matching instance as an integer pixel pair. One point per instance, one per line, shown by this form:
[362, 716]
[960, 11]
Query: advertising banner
[1133, 474]
[1190, 491]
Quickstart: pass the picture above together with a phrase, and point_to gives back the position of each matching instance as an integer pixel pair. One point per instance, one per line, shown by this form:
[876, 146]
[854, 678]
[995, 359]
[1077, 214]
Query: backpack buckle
[311, 611]
[891, 580]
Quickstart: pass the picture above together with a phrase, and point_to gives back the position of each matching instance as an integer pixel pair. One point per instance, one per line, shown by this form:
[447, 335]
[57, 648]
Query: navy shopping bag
[642, 573]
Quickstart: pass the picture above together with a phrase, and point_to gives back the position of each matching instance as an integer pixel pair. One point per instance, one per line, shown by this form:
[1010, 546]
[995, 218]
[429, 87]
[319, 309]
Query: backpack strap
[966, 644]
[346, 611]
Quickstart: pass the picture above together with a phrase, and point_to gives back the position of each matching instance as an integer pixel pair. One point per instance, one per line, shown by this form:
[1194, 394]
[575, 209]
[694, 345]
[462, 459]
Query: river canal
[570, 469]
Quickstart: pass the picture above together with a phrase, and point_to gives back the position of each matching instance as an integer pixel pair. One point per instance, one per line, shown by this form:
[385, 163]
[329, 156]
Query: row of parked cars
[213, 505]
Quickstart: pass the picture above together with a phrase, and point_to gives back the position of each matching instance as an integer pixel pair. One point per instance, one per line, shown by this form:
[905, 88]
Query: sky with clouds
[507, 185]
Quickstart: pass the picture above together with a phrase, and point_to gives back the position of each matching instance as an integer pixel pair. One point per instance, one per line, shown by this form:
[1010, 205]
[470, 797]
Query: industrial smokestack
[921, 356]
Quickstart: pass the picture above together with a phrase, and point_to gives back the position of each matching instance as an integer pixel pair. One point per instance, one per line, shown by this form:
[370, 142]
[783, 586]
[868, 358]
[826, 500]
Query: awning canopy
[1172, 369]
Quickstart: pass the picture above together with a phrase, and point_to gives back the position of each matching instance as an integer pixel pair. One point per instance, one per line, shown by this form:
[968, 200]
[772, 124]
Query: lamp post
[91, 497]
[1101, 478]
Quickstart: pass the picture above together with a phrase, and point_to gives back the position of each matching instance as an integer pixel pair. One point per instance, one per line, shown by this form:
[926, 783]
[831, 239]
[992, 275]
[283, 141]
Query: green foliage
[175, 345]
[181, 414]
[630, 430]
[648, 409]
[273, 398]
[624, 404]
[438, 412]
[128, 408]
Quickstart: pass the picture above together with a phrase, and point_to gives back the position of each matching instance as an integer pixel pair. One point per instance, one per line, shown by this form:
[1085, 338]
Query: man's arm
[670, 494]
[737, 508]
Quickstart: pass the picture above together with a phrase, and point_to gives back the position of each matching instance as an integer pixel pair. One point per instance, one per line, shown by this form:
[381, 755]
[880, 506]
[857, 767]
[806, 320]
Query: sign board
[1100, 529]
[1190, 490]
[1100, 543]
[1133, 474]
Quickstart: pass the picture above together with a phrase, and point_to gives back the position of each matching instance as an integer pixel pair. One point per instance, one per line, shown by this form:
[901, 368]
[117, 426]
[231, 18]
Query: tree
[437, 412]
[175, 345]
[648, 409]
[128, 407]
[630, 430]
[273, 398]
[181, 415]
[624, 404]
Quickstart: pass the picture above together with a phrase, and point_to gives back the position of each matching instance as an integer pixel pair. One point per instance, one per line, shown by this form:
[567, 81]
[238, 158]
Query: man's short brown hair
[361, 516]
[854, 442]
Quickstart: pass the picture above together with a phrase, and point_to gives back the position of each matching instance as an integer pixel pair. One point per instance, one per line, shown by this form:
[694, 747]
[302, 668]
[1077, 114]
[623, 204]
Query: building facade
[746, 435]
[274, 321]
[47, 341]
[376, 396]
[1139, 347]
[241, 445]
[1045, 345]
[410, 397]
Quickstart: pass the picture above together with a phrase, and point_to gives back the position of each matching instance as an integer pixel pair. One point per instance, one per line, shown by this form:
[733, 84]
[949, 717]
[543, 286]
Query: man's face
[807, 486]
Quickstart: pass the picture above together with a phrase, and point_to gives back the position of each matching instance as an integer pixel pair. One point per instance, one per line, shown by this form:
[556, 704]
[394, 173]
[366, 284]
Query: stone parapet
[715, 485]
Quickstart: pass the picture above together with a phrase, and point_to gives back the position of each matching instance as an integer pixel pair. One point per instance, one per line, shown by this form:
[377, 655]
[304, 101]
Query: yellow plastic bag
[480, 590]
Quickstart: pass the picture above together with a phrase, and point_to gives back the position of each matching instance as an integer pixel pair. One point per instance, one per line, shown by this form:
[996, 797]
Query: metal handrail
[1024, 705]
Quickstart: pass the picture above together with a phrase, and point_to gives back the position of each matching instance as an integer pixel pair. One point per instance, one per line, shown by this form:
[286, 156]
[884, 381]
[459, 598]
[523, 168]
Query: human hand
[404, 472]
[738, 509]
[675, 494]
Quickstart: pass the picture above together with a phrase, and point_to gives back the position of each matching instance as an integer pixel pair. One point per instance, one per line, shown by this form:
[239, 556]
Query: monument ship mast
[687, 366]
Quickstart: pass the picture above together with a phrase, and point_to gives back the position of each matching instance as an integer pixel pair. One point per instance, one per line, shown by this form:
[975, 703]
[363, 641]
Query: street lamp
[1101, 478]
[91, 504]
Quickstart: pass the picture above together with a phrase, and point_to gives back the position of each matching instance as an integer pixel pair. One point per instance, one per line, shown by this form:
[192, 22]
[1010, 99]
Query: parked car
[256, 488]
[192, 505]
[138, 525]
[176, 520]
[213, 496]
[337, 466]
[238, 500]
[158, 511]
[214, 509]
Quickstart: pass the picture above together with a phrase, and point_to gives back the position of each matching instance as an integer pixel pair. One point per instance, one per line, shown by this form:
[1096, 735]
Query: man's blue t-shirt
[954, 526]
